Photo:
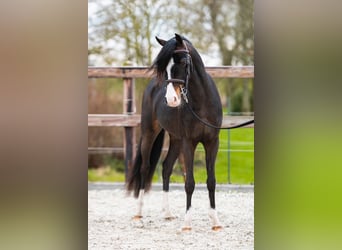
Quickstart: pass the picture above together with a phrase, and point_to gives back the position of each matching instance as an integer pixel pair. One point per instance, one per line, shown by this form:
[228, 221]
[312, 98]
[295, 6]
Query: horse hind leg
[134, 181]
[168, 163]
[138, 215]
[211, 152]
[150, 153]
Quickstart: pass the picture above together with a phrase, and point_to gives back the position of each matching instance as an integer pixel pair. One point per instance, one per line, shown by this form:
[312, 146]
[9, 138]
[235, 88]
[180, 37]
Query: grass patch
[241, 157]
[111, 171]
[105, 173]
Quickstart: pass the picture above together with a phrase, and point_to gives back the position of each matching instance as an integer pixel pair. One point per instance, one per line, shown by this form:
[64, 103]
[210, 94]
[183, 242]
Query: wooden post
[129, 109]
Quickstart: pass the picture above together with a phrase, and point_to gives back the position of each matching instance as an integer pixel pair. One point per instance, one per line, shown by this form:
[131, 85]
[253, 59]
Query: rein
[184, 92]
[216, 127]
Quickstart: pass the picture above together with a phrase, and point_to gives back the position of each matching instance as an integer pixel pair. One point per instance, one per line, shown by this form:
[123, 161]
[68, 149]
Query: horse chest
[179, 124]
[170, 120]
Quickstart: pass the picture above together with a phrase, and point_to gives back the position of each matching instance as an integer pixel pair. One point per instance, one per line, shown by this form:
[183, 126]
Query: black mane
[163, 58]
[166, 53]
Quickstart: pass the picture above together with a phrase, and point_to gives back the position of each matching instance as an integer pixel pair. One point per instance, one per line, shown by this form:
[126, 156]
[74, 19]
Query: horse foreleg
[181, 162]
[216, 225]
[189, 189]
[211, 152]
[188, 152]
[168, 163]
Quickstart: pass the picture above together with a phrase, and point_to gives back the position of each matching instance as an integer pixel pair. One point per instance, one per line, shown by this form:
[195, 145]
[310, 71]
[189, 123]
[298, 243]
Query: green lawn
[105, 173]
[241, 162]
[241, 156]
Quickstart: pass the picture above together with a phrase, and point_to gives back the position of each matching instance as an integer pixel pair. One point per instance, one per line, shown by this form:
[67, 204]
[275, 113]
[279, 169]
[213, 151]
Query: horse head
[176, 75]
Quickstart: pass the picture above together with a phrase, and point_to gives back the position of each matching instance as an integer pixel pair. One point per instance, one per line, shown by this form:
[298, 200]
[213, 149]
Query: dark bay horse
[165, 107]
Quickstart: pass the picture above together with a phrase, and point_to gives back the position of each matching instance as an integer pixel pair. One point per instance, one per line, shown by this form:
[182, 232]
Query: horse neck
[199, 86]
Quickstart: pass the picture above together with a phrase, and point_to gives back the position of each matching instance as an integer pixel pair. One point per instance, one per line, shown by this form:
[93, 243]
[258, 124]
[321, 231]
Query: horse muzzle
[173, 98]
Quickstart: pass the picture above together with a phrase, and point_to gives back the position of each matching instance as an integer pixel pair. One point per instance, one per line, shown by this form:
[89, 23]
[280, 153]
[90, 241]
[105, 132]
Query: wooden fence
[129, 120]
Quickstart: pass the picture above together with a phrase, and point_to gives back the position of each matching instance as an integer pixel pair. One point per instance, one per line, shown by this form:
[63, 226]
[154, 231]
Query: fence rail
[117, 120]
[145, 72]
[129, 120]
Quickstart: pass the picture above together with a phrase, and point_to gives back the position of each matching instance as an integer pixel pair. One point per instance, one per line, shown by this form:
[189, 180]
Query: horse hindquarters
[149, 147]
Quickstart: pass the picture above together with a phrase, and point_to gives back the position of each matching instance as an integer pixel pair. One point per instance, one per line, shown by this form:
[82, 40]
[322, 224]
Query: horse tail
[154, 157]
[134, 176]
[134, 179]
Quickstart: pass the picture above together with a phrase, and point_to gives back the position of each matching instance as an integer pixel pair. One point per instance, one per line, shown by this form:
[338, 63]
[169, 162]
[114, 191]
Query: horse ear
[179, 39]
[160, 41]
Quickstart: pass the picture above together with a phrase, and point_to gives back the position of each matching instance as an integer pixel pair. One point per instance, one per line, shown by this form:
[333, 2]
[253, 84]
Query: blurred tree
[245, 44]
[129, 27]
[121, 30]
[226, 25]
[244, 32]
[234, 34]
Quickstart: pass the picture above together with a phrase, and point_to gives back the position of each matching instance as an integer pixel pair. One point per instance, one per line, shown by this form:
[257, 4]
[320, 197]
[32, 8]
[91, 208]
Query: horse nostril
[174, 99]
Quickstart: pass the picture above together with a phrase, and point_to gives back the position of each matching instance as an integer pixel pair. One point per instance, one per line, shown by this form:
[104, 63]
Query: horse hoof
[137, 217]
[216, 228]
[186, 229]
[170, 218]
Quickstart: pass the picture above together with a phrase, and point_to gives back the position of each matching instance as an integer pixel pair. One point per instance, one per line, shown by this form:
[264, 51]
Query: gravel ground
[110, 224]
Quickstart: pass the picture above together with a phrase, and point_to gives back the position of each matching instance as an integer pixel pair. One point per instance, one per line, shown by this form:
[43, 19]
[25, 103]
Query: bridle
[184, 89]
[184, 83]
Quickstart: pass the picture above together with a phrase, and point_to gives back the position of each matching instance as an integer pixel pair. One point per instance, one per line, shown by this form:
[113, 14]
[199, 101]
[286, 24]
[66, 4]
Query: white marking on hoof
[214, 219]
[137, 217]
[140, 204]
[169, 216]
[216, 228]
[186, 229]
[166, 207]
[187, 221]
